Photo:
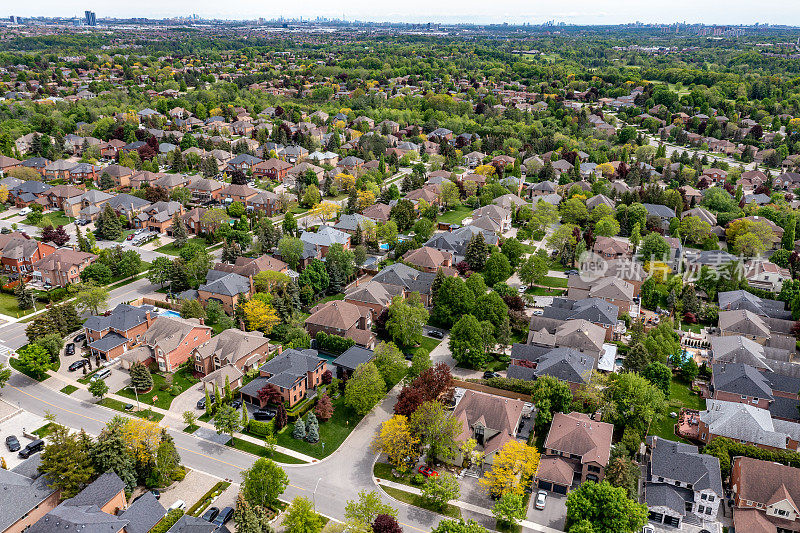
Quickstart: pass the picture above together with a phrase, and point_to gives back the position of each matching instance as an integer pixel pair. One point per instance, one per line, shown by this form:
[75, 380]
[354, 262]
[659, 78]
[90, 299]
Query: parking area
[16, 425]
[192, 488]
[554, 513]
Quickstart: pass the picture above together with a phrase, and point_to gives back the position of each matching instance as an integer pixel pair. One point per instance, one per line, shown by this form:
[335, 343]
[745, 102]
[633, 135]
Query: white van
[180, 504]
[101, 374]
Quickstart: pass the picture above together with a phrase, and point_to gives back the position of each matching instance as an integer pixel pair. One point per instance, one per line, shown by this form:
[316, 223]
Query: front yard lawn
[8, 306]
[15, 364]
[181, 381]
[117, 405]
[56, 219]
[542, 291]
[495, 363]
[418, 501]
[551, 281]
[261, 451]
[332, 433]
[681, 396]
[170, 248]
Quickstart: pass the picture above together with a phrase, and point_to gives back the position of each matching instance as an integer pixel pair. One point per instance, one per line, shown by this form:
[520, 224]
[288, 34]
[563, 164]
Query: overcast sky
[511, 11]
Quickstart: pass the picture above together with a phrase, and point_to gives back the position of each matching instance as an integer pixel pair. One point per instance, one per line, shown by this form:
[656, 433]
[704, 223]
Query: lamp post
[314, 495]
[136, 393]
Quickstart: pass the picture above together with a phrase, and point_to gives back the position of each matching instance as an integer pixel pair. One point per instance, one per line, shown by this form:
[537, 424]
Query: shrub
[418, 479]
[261, 428]
[333, 344]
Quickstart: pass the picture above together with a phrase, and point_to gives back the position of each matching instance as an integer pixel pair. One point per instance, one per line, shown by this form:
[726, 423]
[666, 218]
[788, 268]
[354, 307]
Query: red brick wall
[180, 354]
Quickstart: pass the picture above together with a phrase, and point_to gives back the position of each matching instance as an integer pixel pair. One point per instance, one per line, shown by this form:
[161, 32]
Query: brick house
[765, 496]
[747, 424]
[429, 259]
[18, 253]
[274, 169]
[236, 193]
[118, 331]
[62, 267]
[169, 342]
[119, 174]
[578, 442]
[344, 319]
[292, 372]
[241, 350]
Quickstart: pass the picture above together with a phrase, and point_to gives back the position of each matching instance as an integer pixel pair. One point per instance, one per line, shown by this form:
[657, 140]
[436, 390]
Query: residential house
[409, 279]
[121, 176]
[243, 162]
[664, 214]
[25, 496]
[765, 275]
[237, 193]
[682, 484]
[230, 354]
[59, 169]
[771, 332]
[377, 212]
[765, 496]
[227, 288]
[62, 267]
[455, 242]
[580, 335]
[83, 173]
[205, 190]
[274, 169]
[429, 259]
[611, 289]
[560, 310]
[293, 372]
[58, 195]
[27, 192]
[265, 201]
[501, 217]
[739, 300]
[114, 333]
[739, 382]
[492, 421]
[7, 163]
[128, 205]
[158, 216]
[19, 253]
[374, 295]
[350, 359]
[577, 449]
[611, 248]
[324, 238]
[169, 342]
[342, 318]
[747, 424]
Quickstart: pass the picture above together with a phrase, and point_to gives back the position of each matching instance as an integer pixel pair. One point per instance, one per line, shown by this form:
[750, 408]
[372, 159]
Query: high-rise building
[91, 18]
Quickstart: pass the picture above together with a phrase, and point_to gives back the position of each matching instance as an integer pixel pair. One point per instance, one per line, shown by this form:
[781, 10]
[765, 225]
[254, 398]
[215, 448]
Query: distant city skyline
[584, 12]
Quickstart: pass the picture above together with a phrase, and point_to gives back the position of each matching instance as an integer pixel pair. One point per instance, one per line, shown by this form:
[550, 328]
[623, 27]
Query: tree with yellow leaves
[141, 437]
[3, 194]
[324, 211]
[607, 169]
[514, 467]
[365, 199]
[259, 315]
[397, 442]
[485, 170]
[344, 182]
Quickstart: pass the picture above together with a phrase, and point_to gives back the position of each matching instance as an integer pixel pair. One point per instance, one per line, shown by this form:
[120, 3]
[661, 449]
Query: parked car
[25, 211]
[80, 337]
[70, 349]
[31, 448]
[210, 514]
[77, 364]
[428, 471]
[436, 334]
[236, 403]
[5, 230]
[156, 493]
[489, 375]
[130, 237]
[264, 414]
[101, 374]
[201, 403]
[179, 504]
[571, 273]
[538, 312]
[12, 443]
[541, 499]
[223, 517]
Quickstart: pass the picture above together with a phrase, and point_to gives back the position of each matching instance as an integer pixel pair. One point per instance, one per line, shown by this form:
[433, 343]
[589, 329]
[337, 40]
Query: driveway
[554, 513]
[187, 400]
[191, 489]
[16, 424]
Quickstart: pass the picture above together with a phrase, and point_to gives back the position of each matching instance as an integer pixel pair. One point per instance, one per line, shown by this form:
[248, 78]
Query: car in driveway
[223, 517]
[436, 334]
[489, 375]
[236, 403]
[201, 403]
[538, 312]
[210, 514]
[571, 272]
[70, 349]
[264, 414]
[12, 443]
[77, 364]
[541, 499]
[80, 337]
[427, 471]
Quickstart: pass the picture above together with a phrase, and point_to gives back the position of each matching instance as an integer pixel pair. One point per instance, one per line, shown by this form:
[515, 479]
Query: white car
[541, 499]
[180, 504]
[25, 211]
[522, 289]
[538, 312]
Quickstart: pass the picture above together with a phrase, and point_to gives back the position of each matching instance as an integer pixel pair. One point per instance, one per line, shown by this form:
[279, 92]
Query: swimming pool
[173, 314]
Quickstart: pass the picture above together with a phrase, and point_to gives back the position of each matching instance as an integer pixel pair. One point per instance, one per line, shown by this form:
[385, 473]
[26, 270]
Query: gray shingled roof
[292, 364]
[143, 514]
[122, 318]
[354, 356]
[227, 284]
[684, 463]
[20, 494]
[742, 379]
[734, 300]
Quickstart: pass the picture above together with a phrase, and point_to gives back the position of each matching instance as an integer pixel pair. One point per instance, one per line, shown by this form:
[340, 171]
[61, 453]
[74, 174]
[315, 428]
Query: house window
[701, 509]
[708, 510]
[703, 496]
[781, 512]
[711, 497]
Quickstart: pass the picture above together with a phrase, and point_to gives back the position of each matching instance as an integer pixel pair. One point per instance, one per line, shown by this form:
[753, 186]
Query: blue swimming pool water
[384, 246]
[173, 314]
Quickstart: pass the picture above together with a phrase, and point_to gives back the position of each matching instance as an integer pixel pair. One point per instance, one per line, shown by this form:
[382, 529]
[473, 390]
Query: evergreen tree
[66, 462]
[141, 378]
[299, 431]
[312, 428]
[476, 252]
[179, 231]
[111, 453]
[25, 296]
[436, 284]
[108, 225]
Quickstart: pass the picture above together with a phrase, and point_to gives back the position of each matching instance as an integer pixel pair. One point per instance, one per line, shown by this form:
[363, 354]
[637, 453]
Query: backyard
[455, 216]
[680, 397]
[170, 248]
[181, 381]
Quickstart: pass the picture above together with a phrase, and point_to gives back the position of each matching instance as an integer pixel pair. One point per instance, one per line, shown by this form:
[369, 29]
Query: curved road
[338, 478]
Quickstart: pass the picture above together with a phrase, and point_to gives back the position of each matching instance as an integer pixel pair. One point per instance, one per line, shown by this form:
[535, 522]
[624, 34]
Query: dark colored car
[571, 273]
[223, 517]
[264, 414]
[489, 375]
[210, 514]
[156, 493]
[70, 349]
[80, 337]
[236, 403]
[436, 334]
[428, 471]
[12, 443]
[201, 403]
[77, 364]
[31, 448]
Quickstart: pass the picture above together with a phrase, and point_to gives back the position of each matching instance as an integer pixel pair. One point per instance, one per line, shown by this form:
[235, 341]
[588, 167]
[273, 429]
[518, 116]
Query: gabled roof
[684, 463]
[738, 349]
[292, 364]
[741, 421]
[337, 314]
[227, 284]
[735, 300]
[354, 356]
[122, 318]
[741, 379]
[498, 416]
[231, 345]
[577, 434]
[766, 482]
[20, 494]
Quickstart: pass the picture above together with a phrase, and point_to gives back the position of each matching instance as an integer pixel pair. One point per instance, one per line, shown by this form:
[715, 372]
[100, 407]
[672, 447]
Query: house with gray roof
[227, 288]
[408, 278]
[529, 362]
[127, 204]
[231, 349]
[738, 382]
[735, 300]
[682, 485]
[324, 238]
[664, 213]
[192, 524]
[346, 363]
[456, 241]
[350, 222]
[294, 373]
[594, 310]
[747, 424]
[25, 496]
[110, 335]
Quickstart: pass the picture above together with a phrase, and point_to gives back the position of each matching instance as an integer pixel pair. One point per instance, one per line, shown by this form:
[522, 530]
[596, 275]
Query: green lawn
[541, 291]
[384, 471]
[329, 299]
[8, 306]
[455, 216]
[191, 429]
[44, 430]
[551, 281]
[332, 433]
[69, 389]
[428, 343]
[117, 405]
[496, 363]
[125, 234]
[15, 364]
[56, 219]
[680, 396]
[170, 249]
[694, 328]
[261, 451]
[181, 380]
[418, 501]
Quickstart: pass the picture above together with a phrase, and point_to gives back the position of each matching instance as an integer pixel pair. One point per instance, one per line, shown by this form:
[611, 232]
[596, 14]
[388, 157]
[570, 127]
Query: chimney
[202, 321]
[280, 349]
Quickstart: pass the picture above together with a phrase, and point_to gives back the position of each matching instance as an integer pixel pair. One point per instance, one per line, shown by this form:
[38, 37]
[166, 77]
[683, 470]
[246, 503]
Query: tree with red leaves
[435, 383]
[238, 177]
[385, 523]
[324, 408]
[327, 377]
[269, 394]
[60, 236]
[146, 152]
[462, 267]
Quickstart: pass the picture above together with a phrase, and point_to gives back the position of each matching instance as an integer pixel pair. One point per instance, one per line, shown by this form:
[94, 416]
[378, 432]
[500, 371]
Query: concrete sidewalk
[533, 526]
[58, 381]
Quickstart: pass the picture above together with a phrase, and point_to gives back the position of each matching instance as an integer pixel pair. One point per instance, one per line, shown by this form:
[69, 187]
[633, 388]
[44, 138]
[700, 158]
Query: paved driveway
[187, 400]
[554, 513]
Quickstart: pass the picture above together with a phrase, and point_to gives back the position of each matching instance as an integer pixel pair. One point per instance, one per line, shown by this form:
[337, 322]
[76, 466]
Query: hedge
[301, 408]
[168, 521]
[261, 428]
[726, 449]
[521, 386]
[333, 344]
[205, 501]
